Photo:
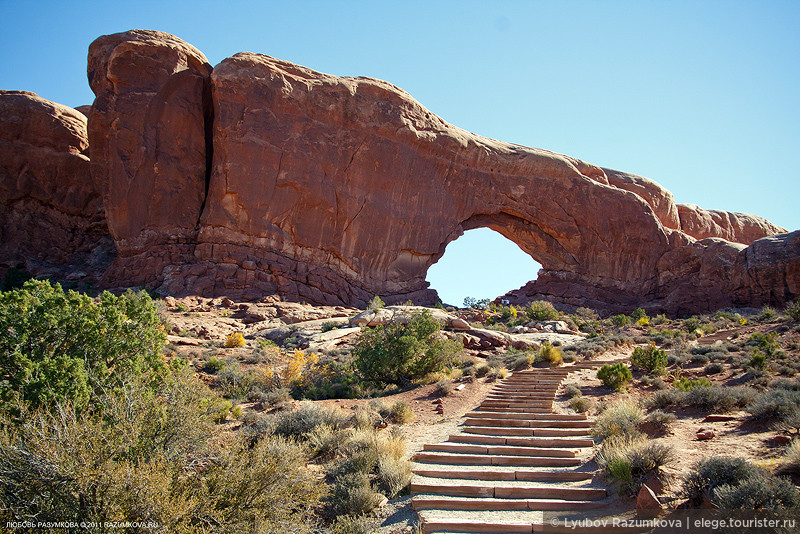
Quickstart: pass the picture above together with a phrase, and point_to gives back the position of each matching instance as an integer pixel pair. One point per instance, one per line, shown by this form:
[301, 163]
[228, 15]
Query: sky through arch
[481, 264]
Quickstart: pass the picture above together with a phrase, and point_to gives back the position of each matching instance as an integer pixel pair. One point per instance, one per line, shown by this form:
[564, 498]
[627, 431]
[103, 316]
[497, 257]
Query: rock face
[260, 176]
[735, 227]
[51, 216]
[149, 147]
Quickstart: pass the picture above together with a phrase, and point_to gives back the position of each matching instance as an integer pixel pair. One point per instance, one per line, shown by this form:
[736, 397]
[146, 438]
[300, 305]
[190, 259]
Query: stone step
[504, 450]
[512, 403]
[530, 417]
[520, 475]
[515, 410]
[486, 459]
[498, 440]
[439, 503]
[503, 492]
[518, 395]
[528, 441]
[492, 421]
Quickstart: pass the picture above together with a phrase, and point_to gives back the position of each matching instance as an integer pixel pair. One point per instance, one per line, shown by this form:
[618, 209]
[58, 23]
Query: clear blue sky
[701, 96]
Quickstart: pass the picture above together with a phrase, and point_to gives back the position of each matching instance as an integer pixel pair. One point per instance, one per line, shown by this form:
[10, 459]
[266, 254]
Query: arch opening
[482, 263]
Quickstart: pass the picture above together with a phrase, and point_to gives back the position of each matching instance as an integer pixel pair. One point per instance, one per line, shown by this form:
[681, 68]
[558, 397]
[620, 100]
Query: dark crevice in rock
[208, 126]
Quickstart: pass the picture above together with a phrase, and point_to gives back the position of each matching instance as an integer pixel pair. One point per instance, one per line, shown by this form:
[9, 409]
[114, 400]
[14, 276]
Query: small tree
[652, 359]
[397, 353]
[614, 376]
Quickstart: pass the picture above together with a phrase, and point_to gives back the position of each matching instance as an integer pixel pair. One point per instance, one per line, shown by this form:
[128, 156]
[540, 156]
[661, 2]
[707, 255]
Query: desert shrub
[660, 420]
[373, 462]
[699, 359]
[620, 320]
[234, 339]
[327, 326]
[793, 310]
[398, 353]
[761, 491]
[572, 391]
[375, 304]
[401, 413]
[541, 310]
[785, 383]
[790, 460]
[650, 359]
[714, 368]
[614, 376]
[628, 460]
[775, 405]
[351, 494]
[551, 354]
[691, 324]
[718, 398]
[638, 313]
[214, 364]
[497, 373]
[687, 384]
[481, 370]
[618, 419]
[300, 421]
[580, 404]
[767, 314]
[63, 347]
[276, 397]
[444, 387]
[758, 360]
[325, 441]
[148, 455]
[520, 363]
[665, 398]
[710, 473]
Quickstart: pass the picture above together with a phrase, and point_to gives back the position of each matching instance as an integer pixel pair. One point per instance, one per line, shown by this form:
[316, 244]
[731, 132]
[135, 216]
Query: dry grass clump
[790, 461]
[629, 459]
[619, 419]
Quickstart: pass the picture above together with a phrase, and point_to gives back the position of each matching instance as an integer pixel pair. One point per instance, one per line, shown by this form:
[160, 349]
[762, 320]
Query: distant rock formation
[51, 216]
[261, 176]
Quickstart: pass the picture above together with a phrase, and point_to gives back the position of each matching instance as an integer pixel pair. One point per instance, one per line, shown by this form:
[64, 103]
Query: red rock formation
[51, 216]
[735, 227]
[149, 154]
[332, 190]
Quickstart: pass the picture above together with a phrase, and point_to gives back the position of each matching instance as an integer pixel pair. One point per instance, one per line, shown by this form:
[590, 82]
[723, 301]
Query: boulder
[52, 221]
[647, 503]
[401, 314]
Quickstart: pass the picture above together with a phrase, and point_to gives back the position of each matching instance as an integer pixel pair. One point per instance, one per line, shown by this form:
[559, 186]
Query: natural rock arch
[260, 176]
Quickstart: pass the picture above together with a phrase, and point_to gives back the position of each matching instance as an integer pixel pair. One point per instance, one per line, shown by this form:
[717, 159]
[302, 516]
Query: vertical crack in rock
[208, 127]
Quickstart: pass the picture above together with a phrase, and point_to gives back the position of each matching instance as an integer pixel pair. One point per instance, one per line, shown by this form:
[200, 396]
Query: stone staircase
[514, 460]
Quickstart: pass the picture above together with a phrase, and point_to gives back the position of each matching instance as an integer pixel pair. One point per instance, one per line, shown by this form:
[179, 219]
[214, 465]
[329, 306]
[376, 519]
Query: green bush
[620, 320]
[758, 360]
[793, 310]
[541, 310]
[59, 347]
[614, 376]
[688, 384]
[397, 353]
[327, 326]
[620, 419]
[650, 359]
[638, 313]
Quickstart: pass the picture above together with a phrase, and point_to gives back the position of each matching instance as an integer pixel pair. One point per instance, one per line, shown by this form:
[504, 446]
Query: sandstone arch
[261, 176]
